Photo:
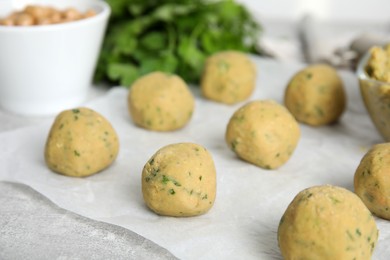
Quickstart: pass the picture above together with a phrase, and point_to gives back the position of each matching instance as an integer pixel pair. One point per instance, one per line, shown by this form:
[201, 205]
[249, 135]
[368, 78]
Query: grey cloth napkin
[33, 227]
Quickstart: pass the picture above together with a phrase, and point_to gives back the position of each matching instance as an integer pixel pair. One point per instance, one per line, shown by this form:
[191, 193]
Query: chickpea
[37, 11]
[89, 13]
[55, 17]
[24, 19]
[71, 14]
[7, 22]
[43, 15]
[43, 20]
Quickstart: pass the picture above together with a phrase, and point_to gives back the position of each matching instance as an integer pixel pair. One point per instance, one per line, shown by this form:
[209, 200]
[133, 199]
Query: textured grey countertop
[33, 227]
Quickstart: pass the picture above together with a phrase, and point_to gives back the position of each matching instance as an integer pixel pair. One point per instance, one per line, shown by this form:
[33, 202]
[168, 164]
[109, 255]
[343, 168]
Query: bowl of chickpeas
[48, 53]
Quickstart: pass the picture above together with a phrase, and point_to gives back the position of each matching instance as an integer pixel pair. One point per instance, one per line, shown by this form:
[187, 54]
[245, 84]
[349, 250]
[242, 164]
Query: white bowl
[48, 68]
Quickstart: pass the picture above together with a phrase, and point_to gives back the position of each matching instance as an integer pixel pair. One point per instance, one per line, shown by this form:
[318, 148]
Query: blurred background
[341, 10]
[322, 30]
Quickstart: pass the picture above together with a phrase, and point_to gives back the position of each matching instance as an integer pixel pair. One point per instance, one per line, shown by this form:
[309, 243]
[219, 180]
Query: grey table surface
[33, 227]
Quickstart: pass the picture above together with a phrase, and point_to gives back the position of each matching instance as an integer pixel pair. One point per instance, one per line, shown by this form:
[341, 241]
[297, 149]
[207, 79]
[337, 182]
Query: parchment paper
[250, 201]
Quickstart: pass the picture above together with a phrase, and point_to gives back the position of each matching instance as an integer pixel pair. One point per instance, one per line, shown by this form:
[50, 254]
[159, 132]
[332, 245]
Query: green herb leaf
[154, 41]
[171, 36]
[125, 73]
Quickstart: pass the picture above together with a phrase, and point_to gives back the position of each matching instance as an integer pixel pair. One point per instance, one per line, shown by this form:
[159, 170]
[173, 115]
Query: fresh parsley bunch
[174, 36]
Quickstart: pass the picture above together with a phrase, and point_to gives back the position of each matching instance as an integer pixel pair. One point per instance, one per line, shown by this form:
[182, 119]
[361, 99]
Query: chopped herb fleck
[322, 89]
[319, 111]
[151, 161]
[204, 197]
[239, 118]
[76, 110]
[155, 171]
[350, 235]
[372, 246]
[61, 126]
[165, 179]
[171, 191]
[309, 75]
[200, 177]
[176, 183]
[358, 232]
[369, 196]
[76, 153]
[334, 200]
[234, 144]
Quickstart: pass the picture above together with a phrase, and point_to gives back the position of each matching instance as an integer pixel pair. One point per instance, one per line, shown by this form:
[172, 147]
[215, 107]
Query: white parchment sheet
[250, 201]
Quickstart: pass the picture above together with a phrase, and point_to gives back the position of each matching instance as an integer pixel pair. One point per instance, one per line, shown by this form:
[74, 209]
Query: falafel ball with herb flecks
[315, 95]
[327, 222]
[228, 77]
[161, 102]
[81, 142]
[180, 180]
[372, 180]
[263, 133]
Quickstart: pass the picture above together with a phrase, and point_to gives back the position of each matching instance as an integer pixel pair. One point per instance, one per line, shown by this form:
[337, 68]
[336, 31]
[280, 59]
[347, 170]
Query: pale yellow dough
[81, 142]
[372, 180]
[179, 180]
[327, 222]
[263, 133]
[378, 66]
[315, 95]
[228, 77]
[160, 102]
